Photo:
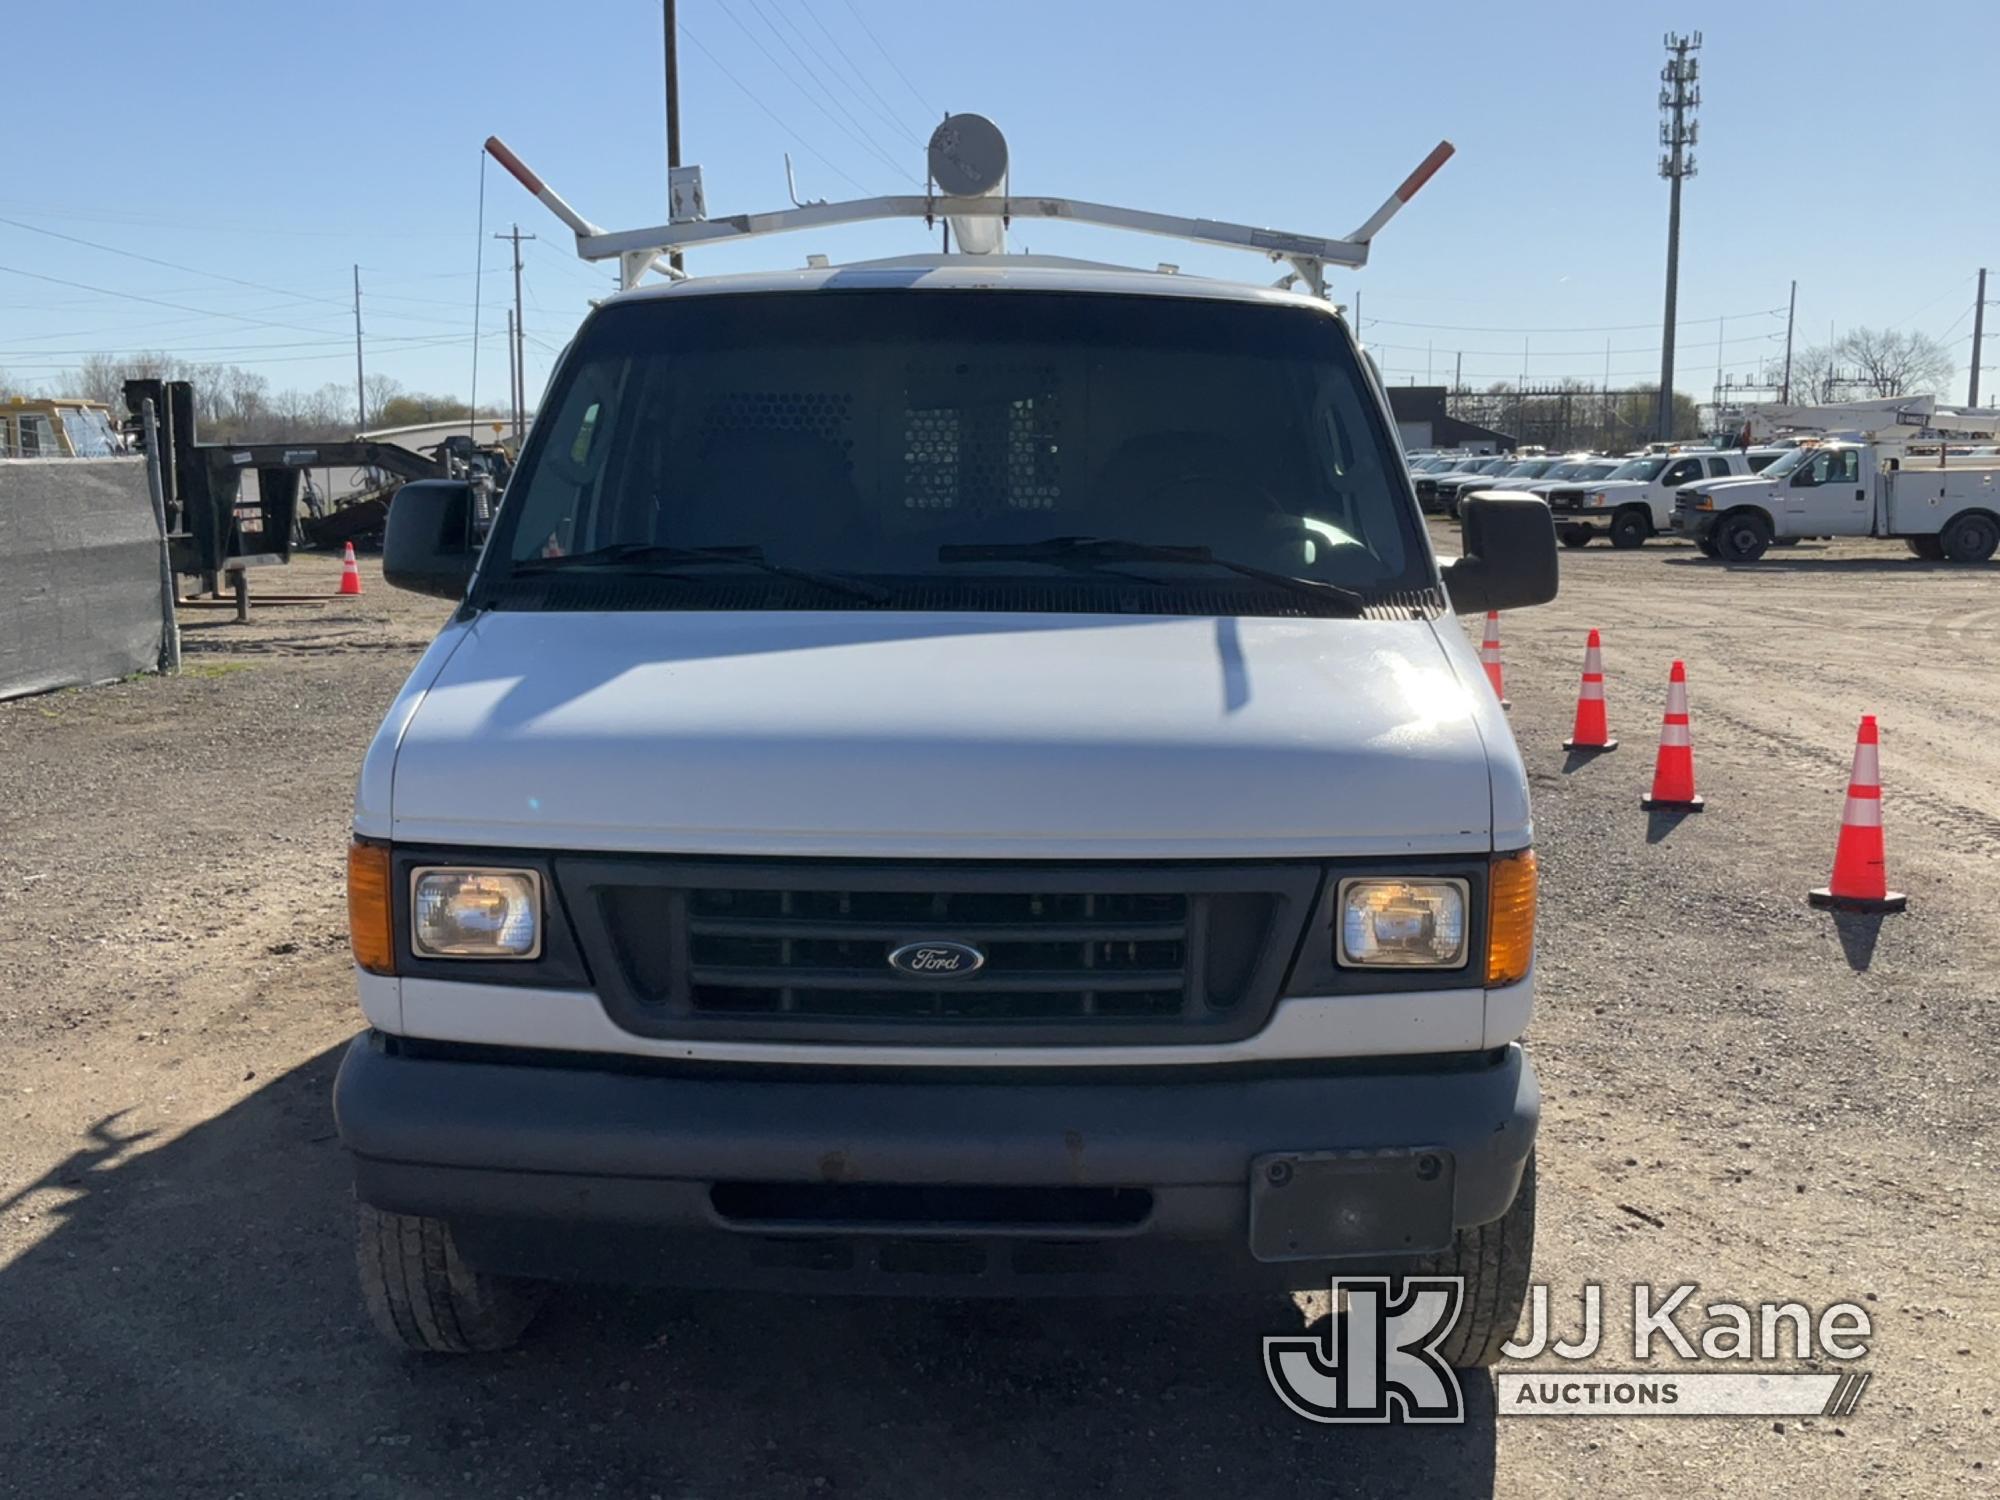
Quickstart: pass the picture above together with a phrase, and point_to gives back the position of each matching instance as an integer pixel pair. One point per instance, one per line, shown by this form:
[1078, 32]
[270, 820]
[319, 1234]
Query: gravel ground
[1740, 1091]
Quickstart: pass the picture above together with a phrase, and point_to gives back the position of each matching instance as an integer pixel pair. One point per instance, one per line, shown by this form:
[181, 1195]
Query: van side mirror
[1510, 554]
[427, 546]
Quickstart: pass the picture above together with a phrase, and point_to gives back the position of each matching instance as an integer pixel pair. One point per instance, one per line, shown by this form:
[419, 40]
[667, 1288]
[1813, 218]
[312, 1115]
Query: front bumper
[1695, 525]
[591, 1168]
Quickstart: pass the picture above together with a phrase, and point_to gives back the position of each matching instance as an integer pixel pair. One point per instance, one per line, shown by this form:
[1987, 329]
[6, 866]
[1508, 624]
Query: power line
[211, 226]
[887, 111]
[125, 328]
[807, 95]
[775, 118]
[1748, 338]
[806, 63]
[344, 351]
[56, 234]
[158, 302]
[418, 339]
[1769, 312]
[930, 111]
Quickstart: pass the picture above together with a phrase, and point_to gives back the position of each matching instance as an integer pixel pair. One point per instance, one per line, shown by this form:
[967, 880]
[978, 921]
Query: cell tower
[1680, 97]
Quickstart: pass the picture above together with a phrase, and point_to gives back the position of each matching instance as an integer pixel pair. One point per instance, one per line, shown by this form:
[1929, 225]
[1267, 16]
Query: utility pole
[1978, 338]
[360, 385]
[1604, 407]
[1521, 397]
[1720, 323]
[670, 10]
[1680, 96]
[1791, 313]
[516, 340]
[513, 378]
[1458, 373]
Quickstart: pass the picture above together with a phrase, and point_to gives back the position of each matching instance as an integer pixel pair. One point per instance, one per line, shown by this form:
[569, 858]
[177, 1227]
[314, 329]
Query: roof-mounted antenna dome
[968, 159]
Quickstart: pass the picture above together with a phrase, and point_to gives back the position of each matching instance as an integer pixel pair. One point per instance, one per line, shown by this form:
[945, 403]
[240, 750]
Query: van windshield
[910, 439]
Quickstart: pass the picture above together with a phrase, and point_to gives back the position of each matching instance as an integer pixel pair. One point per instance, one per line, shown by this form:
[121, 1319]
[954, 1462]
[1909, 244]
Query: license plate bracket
[1307, 1205]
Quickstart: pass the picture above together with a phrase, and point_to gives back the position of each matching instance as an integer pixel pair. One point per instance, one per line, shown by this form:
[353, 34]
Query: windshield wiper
[1091, 551]
[660, 560]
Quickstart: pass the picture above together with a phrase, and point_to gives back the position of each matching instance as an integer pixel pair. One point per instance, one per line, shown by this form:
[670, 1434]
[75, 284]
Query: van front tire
[422, 1297]
[1495, 1260]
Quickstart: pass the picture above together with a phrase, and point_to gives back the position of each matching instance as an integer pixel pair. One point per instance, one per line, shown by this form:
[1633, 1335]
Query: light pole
[1680, 96]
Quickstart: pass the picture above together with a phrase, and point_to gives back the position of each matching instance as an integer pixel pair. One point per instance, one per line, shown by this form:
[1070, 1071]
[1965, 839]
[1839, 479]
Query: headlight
[1704, 502]
[1402, 924]
[475, 913]
[1595, 497]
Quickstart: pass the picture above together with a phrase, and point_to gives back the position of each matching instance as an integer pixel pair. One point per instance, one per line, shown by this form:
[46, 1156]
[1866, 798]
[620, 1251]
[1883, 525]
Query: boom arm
[1896, 420]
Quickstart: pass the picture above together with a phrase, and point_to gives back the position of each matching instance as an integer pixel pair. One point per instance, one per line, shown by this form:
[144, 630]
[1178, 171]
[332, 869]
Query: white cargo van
[954, 775]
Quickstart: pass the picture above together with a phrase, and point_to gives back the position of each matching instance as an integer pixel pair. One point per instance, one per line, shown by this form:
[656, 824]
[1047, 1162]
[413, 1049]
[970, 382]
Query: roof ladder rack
[986, 211]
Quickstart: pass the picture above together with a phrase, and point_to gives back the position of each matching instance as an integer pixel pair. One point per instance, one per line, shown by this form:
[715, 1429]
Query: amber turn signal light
[371, 921]
[1510, 918]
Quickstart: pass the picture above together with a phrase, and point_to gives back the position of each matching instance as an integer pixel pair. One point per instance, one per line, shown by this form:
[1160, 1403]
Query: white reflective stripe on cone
[1862, 812]
[1591, 692]
[1675, 736]
[1867, 766]
[1677, 698]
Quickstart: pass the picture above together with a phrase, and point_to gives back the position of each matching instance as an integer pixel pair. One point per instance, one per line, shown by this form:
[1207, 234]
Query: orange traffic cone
[1673, 773]
[350, 572]
[1591, 731]
[1489, 657]
[1860, 882]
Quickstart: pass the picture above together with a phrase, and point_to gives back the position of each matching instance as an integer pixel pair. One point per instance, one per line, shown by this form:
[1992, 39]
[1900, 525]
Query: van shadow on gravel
[188, 1323]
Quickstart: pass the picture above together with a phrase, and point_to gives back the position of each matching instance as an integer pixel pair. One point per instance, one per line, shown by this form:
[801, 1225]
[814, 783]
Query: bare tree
[101, 377]
[234, 404]
[380, 390]
[1896, 362]
[1816, 375]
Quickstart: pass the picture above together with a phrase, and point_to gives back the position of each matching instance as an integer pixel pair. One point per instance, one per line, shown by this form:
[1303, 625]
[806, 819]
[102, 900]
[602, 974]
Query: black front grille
[1565, 498]
[803, 948]
[1056, 956]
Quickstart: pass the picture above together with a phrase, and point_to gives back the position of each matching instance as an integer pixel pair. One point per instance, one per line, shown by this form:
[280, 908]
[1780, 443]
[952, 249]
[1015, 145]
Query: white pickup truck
[956, 775]
[1944, 509]
[1636, 500]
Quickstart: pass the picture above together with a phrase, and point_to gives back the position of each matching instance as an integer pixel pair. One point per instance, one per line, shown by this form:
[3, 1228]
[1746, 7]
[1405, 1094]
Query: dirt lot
[1740, 1091]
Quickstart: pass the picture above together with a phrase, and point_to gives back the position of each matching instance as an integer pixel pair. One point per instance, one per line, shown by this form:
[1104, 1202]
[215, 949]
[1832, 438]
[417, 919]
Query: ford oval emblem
[937, 959]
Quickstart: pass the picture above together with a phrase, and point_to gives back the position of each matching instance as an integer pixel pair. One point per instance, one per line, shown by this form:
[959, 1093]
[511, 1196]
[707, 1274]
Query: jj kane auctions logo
[1380, 1358]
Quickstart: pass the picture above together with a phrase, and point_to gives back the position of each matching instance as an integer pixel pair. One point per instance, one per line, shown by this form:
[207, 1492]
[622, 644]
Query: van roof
[1037, 273]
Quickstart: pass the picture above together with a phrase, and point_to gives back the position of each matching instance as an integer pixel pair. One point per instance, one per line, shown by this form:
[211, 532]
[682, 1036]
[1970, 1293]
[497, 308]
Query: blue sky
[1854, 154]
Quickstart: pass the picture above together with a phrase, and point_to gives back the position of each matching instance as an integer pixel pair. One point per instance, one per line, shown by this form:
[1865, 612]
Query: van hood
[948, 735]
